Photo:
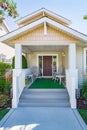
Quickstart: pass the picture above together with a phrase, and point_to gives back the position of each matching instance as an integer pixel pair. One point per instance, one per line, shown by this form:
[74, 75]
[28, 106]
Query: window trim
[85, 49]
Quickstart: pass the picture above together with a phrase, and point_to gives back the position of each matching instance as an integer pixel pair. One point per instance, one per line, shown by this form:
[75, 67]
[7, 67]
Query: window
[54, 64]
[40, 65]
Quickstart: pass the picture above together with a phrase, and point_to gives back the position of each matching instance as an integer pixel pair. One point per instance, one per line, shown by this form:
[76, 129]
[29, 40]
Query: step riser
[44, 105]
[44, 98]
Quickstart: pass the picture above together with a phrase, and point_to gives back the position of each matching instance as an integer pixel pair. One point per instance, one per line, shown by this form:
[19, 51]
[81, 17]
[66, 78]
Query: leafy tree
[8, 8]
[85, 17]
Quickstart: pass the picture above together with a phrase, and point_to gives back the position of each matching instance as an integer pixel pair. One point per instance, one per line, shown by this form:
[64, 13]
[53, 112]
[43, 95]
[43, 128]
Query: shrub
[26, 80]
[4, 101]
[84, 90]
[3, 67]
[24, 62]
[7, 88]
[2, 83]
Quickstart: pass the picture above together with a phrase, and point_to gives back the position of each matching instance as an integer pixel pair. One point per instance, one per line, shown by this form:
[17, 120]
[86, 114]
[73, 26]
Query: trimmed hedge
[24, 62]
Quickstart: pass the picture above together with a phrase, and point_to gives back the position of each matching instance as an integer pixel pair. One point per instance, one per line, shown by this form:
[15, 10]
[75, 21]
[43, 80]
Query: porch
[41, 36]
[66, 63]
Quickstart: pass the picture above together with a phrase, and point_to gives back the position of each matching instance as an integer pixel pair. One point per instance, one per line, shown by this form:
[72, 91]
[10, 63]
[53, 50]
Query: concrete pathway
[42, 118]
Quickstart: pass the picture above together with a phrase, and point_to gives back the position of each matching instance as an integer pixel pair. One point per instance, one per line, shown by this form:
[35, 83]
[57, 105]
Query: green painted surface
[46, 83]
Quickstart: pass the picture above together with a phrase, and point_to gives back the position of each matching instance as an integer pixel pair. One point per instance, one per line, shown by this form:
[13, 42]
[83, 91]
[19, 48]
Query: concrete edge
[79, 118]
[6, 117]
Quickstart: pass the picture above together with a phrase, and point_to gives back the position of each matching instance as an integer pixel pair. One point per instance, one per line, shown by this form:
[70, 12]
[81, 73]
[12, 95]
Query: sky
[74, 10]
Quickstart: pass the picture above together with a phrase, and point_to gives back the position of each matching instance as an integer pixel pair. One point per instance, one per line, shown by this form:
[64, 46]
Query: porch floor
[46, 83]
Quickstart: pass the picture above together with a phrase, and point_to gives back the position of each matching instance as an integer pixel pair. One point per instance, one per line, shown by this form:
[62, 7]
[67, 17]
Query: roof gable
[37, 36]
[29, 27]
[40, 14]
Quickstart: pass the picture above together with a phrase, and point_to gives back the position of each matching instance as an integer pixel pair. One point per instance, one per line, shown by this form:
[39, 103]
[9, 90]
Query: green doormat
[46, 83]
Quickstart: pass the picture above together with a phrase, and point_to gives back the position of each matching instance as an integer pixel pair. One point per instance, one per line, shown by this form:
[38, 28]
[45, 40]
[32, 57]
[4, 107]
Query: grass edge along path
[3, 113]
[46, 83]
[83, 114]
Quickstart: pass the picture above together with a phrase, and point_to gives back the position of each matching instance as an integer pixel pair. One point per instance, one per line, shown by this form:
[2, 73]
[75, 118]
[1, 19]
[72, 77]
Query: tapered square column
[18, 56]
[72, 56]
[72, 75]
[17, 76]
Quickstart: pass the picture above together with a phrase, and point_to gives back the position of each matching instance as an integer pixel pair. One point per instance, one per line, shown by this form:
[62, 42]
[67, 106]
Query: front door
[47, 65]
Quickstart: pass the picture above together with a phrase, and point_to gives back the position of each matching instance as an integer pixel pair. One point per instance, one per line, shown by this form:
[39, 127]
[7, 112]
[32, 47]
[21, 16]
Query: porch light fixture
[63, 53]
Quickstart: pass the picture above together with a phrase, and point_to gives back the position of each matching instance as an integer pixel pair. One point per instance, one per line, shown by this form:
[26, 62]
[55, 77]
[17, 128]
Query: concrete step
[44, 90]
[44, 97]
[23, 104]
[47, 100]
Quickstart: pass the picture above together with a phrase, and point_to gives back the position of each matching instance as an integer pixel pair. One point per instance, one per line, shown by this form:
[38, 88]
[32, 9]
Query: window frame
[85, 66]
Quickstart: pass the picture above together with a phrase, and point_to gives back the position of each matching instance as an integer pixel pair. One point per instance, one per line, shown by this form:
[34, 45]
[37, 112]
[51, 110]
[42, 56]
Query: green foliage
[3, 67]
[4, 101]
[8, 7]
[2, 83]
[85, 17]
[24, 62]
[7, 88]
[84, 90]
[26, 80]
[3, 113]
[83, 113]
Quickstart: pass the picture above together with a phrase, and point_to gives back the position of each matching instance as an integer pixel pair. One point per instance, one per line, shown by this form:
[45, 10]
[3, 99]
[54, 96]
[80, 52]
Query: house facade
[50, 45]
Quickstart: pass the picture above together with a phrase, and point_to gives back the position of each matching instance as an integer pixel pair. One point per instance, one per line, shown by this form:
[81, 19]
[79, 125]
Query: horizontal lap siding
[80, 65]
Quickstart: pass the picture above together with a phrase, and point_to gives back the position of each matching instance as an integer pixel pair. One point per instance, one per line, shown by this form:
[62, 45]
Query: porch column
[72, 75]
[72, 57]
[17, 75]
[18, 56]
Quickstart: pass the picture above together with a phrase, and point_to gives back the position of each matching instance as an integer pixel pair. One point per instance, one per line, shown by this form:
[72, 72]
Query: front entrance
[47, 64]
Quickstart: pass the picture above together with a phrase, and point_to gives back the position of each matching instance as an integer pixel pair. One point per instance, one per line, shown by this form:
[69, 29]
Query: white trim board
[84, 56]
[59, 26]
[43, 10]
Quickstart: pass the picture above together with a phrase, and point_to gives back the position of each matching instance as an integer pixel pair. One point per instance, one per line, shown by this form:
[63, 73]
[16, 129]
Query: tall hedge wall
[24, 62]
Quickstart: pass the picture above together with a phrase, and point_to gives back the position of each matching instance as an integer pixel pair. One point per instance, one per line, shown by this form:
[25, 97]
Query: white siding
[80, 65]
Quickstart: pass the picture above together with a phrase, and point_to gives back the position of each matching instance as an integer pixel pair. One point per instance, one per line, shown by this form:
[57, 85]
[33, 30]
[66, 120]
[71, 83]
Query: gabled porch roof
[67, 30]
[40, 14]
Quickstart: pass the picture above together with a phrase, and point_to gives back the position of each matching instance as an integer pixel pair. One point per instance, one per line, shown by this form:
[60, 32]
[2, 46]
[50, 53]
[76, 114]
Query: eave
[65, 29]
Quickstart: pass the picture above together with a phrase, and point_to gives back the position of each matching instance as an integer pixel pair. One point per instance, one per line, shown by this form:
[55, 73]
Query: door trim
[42, 60]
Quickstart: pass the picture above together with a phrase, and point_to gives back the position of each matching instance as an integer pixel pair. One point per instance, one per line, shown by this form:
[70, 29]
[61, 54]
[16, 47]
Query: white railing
[18, 84]
[72, 85]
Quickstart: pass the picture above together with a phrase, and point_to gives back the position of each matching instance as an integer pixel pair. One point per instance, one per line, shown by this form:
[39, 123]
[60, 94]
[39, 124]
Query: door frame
[42, 61]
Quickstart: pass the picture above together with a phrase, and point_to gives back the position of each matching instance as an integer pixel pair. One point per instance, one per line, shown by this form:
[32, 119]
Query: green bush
[24, 62]
[2, 83]
[7, 88]
[3, 67]
[4, 101]
[84, 90]
[26, 80]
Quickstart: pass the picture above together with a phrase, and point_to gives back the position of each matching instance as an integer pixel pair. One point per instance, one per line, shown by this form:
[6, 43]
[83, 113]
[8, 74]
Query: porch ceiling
[55, 48]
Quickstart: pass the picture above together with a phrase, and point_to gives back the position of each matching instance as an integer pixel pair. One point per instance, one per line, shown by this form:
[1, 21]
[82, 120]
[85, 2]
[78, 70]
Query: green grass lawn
[46, 83]
[83, 113]
[3, 113]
